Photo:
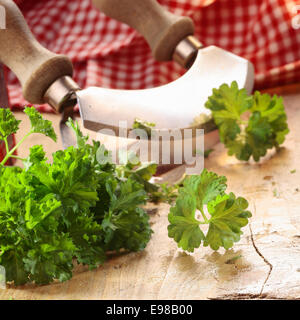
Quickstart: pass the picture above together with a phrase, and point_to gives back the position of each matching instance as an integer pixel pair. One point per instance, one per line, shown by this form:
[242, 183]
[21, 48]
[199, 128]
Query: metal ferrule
[62, 94]
[186, 51]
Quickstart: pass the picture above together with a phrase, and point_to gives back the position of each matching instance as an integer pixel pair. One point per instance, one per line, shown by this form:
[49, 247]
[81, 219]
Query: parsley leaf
[227, 214]
[81, 139]
[40, 125]
[264, 128]
[207, 186]
[272, 109]
[184, 227]
[8, 123]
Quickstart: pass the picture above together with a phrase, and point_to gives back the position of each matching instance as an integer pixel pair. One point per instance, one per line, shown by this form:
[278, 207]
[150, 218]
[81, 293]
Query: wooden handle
[36, 67]
[162, 29]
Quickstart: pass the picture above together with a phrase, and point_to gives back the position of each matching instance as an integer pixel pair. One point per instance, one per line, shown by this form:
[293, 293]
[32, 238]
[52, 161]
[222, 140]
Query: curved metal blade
[177, 105]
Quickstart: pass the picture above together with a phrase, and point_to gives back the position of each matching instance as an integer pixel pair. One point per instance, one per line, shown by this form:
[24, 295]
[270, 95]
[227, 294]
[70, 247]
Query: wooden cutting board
[264, 264]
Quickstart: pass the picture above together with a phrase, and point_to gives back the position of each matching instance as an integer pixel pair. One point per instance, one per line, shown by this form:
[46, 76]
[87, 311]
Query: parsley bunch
[248, 125]
[199, 196]
[73, 208]
[79, 207]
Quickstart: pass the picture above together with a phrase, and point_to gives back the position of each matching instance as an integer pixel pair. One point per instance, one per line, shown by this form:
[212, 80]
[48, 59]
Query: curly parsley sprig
[223, 213]
[249, 125]
[73, 207]
[10, 125]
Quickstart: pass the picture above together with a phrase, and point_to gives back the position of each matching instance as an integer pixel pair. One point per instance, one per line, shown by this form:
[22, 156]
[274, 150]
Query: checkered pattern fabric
[10, 161]
[109, 54]
[2, 150]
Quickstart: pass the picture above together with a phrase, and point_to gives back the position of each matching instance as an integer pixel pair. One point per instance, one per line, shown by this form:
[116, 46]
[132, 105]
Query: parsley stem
[18, 158]
[206, 221]
[11, 152]
[6, 145]
[243, 122]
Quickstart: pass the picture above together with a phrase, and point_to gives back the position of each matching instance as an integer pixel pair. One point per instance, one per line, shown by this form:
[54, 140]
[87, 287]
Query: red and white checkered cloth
[109, 54]
[2, 150]
[10, 161]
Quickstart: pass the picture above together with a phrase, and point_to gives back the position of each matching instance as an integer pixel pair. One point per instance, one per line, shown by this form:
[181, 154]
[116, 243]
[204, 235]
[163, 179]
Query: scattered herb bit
[263, 129]
[137, 171]
[40, 125]
[233, 260]
[208, 152]
[152, 211]
[293, 171]
[268, 178]
[275, 193]
[144, 125]
[206, 194]
[74, 207]
[142, 173]
[165, 193]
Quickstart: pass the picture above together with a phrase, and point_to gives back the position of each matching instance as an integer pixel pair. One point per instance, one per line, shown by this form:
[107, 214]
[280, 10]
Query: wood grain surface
[265, 264]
